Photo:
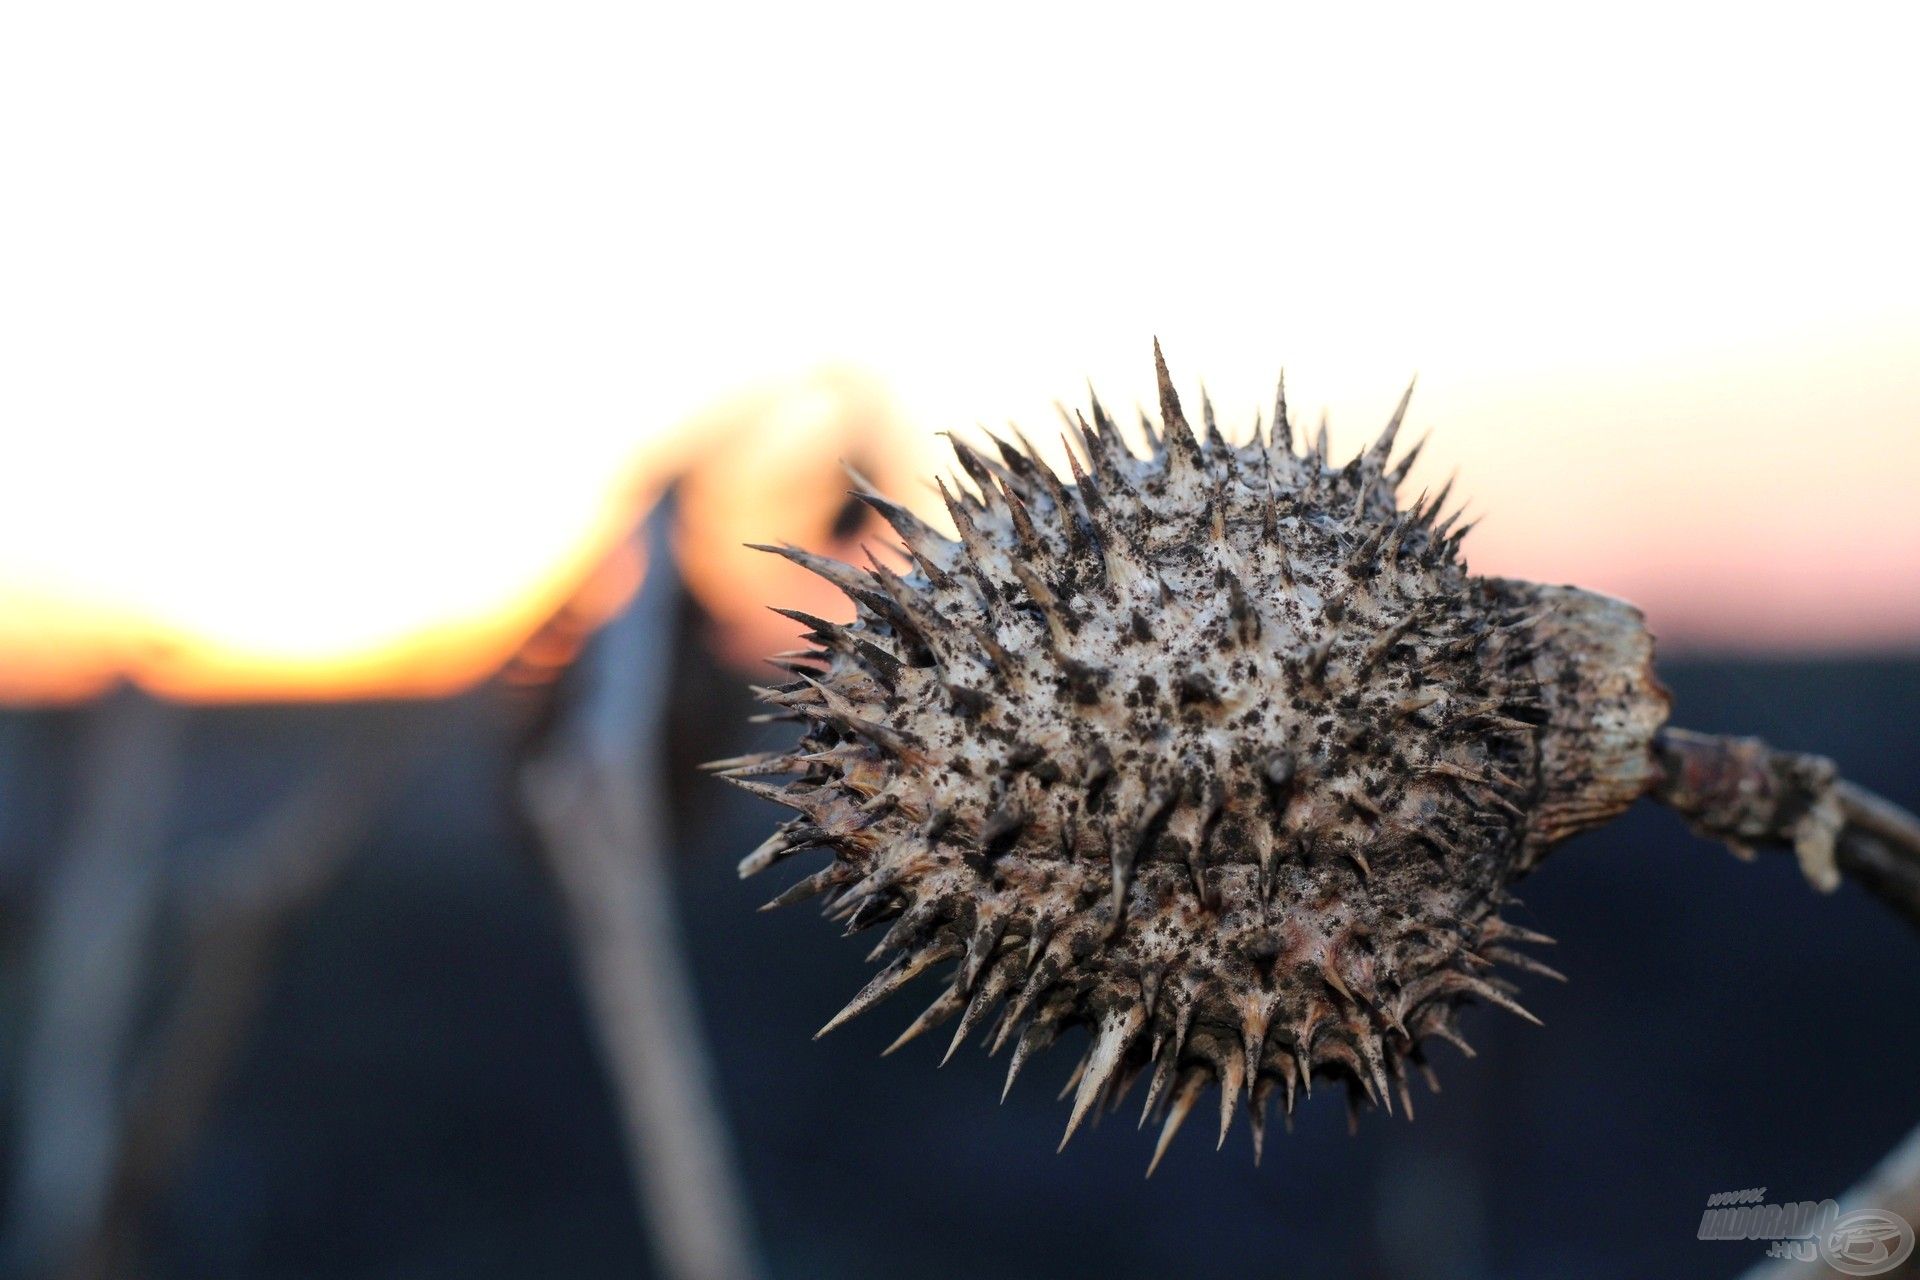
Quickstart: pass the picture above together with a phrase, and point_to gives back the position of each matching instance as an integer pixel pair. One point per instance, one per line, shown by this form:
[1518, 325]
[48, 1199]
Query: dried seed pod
[1219, 753]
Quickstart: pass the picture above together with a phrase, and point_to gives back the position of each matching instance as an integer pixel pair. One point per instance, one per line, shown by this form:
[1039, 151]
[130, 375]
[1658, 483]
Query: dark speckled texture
[1215, 751]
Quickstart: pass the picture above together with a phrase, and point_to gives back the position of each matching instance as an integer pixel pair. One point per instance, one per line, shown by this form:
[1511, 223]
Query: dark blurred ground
[422, 1098]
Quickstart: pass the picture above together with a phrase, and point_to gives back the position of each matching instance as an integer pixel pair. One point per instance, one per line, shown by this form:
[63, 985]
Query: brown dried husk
[1217, 752]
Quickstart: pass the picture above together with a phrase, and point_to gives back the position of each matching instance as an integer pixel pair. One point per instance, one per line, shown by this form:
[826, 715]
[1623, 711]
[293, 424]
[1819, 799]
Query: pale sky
[330, 335]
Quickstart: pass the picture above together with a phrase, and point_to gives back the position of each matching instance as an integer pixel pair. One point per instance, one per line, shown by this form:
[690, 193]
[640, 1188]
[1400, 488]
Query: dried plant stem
[595, 803]
[90, 963]
[1881, 848]
[1746, 793]
[281, 868]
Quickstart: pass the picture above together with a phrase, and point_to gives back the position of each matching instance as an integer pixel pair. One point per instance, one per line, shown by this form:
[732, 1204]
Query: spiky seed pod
[1219, 753]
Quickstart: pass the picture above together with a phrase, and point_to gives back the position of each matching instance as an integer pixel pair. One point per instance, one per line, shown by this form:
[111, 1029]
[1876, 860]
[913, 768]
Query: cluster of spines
[1061, 545]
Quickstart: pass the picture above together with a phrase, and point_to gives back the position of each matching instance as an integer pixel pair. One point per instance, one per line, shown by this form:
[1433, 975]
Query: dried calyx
[1218, 752]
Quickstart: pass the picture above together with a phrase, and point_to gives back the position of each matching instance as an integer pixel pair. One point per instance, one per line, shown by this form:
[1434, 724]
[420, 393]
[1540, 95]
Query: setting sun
[320, 383]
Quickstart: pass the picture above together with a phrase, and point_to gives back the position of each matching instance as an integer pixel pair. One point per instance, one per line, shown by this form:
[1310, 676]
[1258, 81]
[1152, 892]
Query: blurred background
[387, 391]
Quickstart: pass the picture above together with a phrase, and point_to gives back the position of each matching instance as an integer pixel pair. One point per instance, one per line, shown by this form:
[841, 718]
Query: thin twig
[1881, 848]
[1745, 793]
[593, 795]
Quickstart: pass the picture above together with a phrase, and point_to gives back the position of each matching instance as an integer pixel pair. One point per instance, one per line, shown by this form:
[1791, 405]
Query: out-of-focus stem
[89, 973]
[593, 795]
[282, 867]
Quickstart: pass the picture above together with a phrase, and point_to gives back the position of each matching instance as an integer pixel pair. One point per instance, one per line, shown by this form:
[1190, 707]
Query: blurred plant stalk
[97, 916]
[592, 791]
[271, 877]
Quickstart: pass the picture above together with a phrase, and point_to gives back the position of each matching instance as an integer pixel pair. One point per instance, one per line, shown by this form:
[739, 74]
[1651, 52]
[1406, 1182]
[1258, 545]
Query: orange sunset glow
[334, 369]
